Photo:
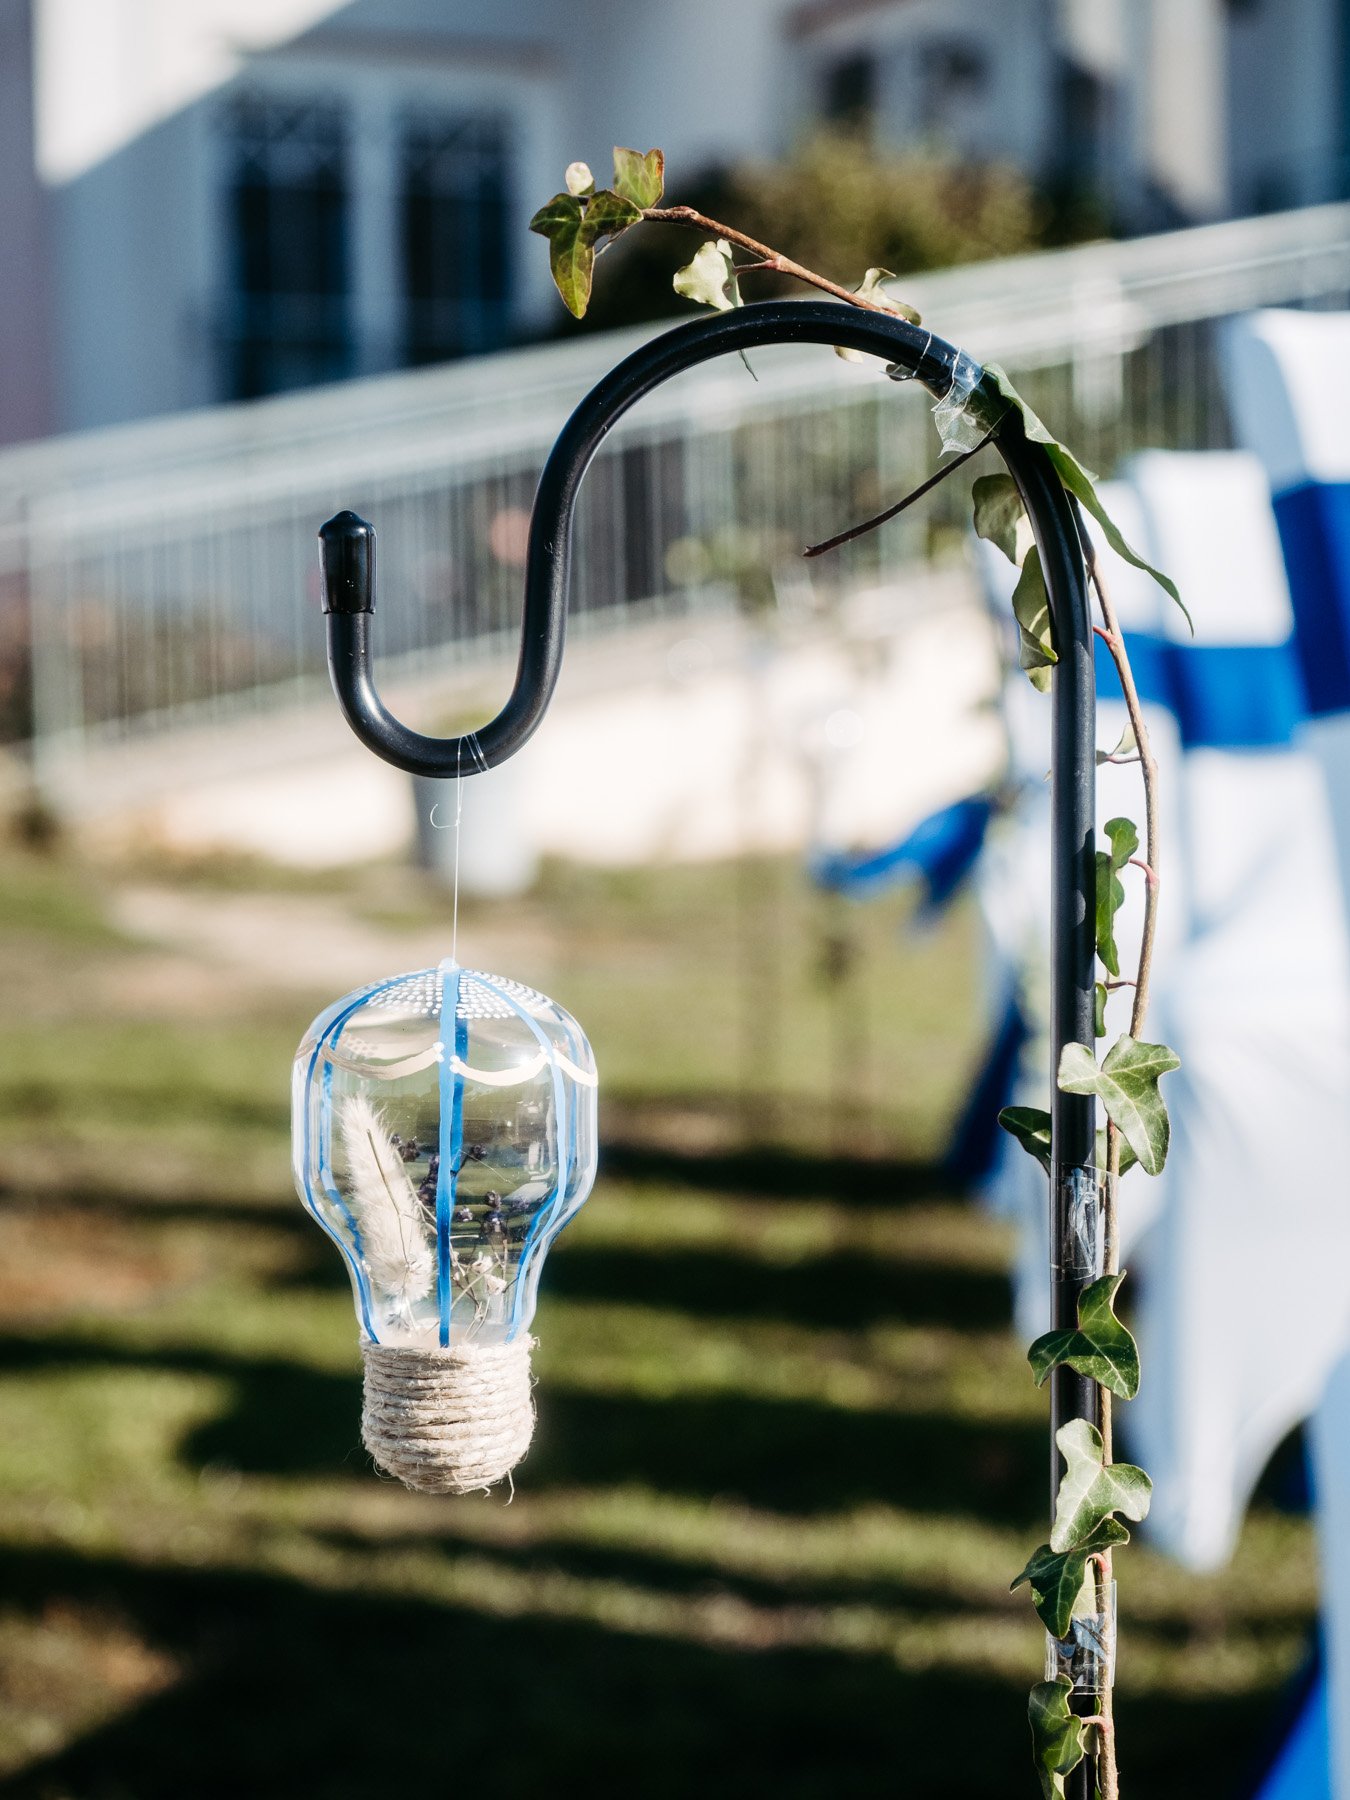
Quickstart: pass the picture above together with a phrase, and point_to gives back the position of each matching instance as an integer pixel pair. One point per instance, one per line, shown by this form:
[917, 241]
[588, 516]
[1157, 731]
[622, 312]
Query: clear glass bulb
[443, 1132]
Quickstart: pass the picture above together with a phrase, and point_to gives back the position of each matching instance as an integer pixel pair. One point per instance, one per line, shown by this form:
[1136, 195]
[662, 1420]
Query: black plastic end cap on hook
[347, 557]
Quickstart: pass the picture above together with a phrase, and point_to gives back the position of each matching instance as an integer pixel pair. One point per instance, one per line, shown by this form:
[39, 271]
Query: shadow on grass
[294, 1690]
[788, 1455]
[844, 1290]
[342, 1694]
[777, 1172]
[683, 1574]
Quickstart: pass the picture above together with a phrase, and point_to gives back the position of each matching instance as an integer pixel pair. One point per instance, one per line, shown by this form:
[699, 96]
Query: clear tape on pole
[964, 414]
[1080, 1195]
[1087, 1656]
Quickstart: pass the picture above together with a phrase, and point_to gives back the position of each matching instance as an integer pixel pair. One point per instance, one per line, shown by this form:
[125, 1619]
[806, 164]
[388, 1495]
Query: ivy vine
[1070, 1576]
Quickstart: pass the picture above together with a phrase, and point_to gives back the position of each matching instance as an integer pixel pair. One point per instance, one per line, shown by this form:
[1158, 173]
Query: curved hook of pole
[348, 543]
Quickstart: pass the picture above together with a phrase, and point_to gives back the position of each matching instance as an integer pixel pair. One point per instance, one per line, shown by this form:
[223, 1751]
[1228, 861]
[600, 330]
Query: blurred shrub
[839, 205]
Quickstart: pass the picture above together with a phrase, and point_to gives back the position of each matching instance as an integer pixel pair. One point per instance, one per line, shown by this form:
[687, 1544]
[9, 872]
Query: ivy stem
[1107, 1772]
[891, 512]
[766, 258]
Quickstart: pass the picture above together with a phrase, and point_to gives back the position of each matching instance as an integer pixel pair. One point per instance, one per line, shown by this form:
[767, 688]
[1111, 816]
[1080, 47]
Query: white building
[205, 200]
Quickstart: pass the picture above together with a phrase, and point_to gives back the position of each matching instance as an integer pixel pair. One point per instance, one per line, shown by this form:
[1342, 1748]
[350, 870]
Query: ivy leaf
[997, 393]
[1030, 1125]
[1080, 482]
[710, 278]
[1057, 1745]
[1091, 1489]
[573, 225]
[578, 179]
[1056, 1576]
[870, 288]
[1110, 894]
[1110, 898]
[998, 508]
[1099, 1008]
[1124, 836]
[1082, 485]
[608, 213]
[571, 253]
[1031, 608]
[1127, 1085]
[1127, 750]
[638, 178]
[1101, 1348]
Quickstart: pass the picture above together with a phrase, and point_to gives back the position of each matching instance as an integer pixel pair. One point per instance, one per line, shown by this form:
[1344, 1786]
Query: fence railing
[164, 573]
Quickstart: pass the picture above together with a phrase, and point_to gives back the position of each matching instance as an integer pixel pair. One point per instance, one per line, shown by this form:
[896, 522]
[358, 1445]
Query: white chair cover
[1289, 380]
[1239, 1309]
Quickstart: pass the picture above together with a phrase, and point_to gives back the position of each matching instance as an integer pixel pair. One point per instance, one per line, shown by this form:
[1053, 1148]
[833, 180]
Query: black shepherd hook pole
[348, 555]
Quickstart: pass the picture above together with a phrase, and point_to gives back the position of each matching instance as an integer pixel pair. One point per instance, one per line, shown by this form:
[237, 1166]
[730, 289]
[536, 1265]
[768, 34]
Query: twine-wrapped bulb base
[448, 1421]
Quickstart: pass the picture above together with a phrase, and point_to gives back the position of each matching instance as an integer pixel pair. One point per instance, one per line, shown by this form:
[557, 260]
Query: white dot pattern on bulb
[414, 993]
[494, 993]
[481, 996]
[478, 1001]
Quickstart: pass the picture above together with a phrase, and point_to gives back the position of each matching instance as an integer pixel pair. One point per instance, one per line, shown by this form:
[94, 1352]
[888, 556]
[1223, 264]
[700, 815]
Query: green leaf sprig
[578, 221]
[1127, 1086]
[998, 514]
[1057, 1745]
[1058, 1579]
[1091, 1492]
[996, 393]
[1124, 838]
[1100, 1347]
[710, 279]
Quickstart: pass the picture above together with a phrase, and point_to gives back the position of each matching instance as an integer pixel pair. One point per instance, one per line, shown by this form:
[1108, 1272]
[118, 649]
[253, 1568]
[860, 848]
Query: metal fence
[164, 574]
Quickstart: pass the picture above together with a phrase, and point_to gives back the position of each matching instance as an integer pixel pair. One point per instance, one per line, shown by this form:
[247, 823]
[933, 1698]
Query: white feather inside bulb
[395, 1232]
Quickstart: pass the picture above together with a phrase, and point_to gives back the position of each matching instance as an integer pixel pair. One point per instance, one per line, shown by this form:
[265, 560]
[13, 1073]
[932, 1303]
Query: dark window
[1084, 118]
[850, 91]
[287, 320]
[454, 204]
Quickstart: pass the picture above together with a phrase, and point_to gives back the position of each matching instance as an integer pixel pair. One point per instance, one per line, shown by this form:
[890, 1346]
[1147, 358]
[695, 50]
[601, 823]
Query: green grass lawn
[788, 1457]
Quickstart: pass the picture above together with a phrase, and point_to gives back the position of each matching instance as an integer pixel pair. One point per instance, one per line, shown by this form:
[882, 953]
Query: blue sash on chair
[1223, 696]
[1314, 522]
[939, 852]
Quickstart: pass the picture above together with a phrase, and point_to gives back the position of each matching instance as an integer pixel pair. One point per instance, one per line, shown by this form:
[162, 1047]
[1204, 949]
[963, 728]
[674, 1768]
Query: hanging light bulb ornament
[444, 1132]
